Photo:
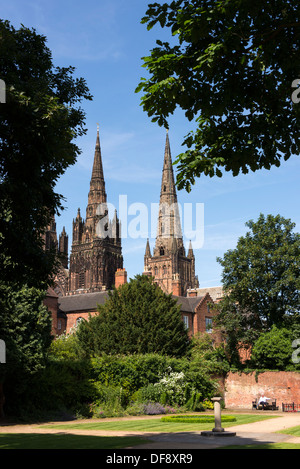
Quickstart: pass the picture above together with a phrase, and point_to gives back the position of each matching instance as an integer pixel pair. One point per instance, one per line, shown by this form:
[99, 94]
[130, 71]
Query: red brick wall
[190, 316]
[120, 277]
[242, 389]
[51, 302]
[202, 312]
[72, 318]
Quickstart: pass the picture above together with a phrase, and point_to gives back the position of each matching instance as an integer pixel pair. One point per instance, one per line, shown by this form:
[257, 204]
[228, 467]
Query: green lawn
[295, 431]
[68, 441]
[50, 441]
[266, 446]
[154, 425]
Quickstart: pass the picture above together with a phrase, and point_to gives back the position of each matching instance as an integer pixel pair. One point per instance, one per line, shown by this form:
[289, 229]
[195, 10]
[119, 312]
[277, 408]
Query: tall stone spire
[96, 248]
[97, 198]
[169, 224]
[169, 266]
[97, 173]
[168, 191]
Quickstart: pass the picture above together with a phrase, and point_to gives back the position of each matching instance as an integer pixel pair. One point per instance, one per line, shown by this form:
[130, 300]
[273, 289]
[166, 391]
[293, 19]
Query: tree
[230, 68]
[138, 317]
[261, 279]
[273, 349]
[39, 121]
[38, 124]
[25, 327]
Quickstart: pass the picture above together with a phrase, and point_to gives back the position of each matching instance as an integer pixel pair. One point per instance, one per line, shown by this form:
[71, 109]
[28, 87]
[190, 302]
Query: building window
[155, 271]
[78, 321]
[186, 321]
[81, 280]
[165, 271]
[59, 324]
[162, 251]
[208, 325]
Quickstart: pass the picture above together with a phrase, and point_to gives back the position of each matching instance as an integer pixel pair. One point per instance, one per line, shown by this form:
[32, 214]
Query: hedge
[197, 418]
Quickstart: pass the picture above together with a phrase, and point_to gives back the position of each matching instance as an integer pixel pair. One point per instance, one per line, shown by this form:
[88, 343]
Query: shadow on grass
[65, 441]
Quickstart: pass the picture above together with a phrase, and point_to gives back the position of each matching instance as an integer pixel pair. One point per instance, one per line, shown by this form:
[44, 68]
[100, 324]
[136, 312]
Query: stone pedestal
[218, 430]
[217, 410]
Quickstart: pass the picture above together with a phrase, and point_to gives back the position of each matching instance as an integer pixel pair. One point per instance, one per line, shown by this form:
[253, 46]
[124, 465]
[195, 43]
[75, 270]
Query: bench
[269, 406]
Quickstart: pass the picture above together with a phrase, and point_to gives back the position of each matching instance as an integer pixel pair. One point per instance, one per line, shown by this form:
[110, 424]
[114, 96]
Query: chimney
[176, 285]
[120, 277]
[192, 293]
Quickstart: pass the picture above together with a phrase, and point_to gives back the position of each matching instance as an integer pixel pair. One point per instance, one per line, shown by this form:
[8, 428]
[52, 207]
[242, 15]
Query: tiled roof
[83, 302]
[89, 302]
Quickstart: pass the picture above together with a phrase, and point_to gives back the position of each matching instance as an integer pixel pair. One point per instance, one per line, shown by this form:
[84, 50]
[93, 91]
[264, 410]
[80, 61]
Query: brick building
[196, 311]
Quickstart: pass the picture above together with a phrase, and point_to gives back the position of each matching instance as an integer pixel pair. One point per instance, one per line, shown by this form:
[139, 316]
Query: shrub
[172, 387]
[135, 408]
[138, 318]
[195, 402]
[208, 405]
[273, 349]
[154, 408]
[62, 385]
[64, 347]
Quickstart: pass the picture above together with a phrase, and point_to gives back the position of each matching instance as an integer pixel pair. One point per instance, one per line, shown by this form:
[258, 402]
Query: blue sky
[105, 41]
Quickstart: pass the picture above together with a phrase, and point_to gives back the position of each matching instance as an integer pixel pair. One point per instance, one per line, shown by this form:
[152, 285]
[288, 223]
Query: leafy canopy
[38, 124]
[25, 327]
[229, 66]
[261, 278]
[273, 349]
[139, 318]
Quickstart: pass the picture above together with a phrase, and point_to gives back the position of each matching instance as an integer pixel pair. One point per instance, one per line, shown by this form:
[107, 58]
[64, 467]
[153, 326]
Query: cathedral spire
[191, 252]
[168, 189]
[97, 198]
[171, 269]
[169, 224]
[97, 178]
[96, 253]
[147, 251]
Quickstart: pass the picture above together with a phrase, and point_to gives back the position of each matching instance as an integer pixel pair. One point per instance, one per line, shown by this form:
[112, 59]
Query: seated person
[263, 400]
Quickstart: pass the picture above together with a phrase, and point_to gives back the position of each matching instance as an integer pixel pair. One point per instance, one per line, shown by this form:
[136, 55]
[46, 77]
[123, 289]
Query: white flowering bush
[174, 386]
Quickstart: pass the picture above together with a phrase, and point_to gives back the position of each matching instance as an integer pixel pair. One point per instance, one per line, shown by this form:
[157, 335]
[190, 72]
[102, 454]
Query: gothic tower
[96, 249]
[169, 265]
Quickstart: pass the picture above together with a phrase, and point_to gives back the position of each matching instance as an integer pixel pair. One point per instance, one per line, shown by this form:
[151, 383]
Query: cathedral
[95, 264]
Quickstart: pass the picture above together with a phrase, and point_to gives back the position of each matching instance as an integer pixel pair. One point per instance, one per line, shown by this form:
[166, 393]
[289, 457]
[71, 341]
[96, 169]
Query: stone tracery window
[81, 279]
